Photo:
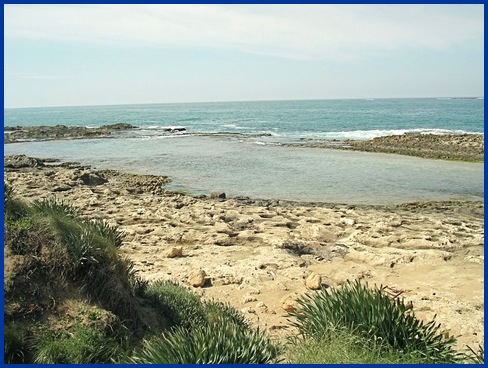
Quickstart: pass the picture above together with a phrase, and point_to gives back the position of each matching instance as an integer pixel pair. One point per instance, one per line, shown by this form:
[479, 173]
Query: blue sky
[67, 55]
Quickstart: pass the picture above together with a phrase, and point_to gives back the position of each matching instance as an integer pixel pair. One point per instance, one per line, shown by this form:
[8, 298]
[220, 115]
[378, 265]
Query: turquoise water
[245, 159]
[332, 119]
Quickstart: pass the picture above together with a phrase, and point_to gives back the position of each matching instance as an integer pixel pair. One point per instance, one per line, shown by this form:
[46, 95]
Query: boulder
[174, 252]
[218, 195]
[196, 278]
[313, 281]
[19, 161]
[289, 302]
[89, 178]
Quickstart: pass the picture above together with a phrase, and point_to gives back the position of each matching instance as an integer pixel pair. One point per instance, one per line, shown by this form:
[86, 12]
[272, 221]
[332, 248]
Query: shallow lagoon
[203, 164]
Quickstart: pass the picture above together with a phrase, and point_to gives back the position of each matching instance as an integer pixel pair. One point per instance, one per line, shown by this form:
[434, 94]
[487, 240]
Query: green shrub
[21, 236]
[106, 231]
[13, 208]
[108, 283]
[219, 342]
[82, 249]
[215, 310]
[87, 242]
[203, 332]
[172, 300]
[54, 207]
[372, 315]
[90, 254]
[16, 344]
[84, 345]
[342, 347]
[8, 191]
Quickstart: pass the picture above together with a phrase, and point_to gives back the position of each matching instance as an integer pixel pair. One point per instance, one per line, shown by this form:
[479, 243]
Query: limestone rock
[89, 178]
[218, 195]
[61, 188]
[174, 252]
[348, 221]
[248, 298]
[317, 232]
[19, 161]
[289, 302]
[313, 281]
[196, 278]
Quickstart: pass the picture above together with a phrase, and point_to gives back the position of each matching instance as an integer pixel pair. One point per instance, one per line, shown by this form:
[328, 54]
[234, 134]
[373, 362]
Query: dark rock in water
[89, 178]
[118, 126]
[19, 161]
[175, 129]
[218, 195]
[42, 133]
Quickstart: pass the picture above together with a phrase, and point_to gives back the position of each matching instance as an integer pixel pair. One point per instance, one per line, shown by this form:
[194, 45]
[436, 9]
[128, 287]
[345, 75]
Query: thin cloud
[287, 31]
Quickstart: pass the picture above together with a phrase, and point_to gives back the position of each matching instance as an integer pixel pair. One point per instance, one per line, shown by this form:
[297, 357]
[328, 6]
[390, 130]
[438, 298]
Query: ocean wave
[282, 136]
[234, 126]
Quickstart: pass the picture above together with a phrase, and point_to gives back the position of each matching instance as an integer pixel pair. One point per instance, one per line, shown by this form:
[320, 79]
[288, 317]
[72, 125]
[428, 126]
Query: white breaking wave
[234, 126]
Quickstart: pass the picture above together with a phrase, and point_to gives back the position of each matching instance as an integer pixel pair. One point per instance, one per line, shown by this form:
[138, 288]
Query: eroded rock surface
[256, 253]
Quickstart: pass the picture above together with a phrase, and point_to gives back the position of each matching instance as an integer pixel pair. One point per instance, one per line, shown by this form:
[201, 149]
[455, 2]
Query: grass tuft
[371, 314]
[16, 343]
[343, 347]
[181, 306]
[220, 342]
[84, 345]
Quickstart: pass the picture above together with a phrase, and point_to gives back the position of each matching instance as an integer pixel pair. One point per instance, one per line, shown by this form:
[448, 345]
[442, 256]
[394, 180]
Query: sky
[75, 55]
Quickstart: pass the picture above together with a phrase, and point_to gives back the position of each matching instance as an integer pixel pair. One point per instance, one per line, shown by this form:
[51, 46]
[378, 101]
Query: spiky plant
[372, 314]
[85, 345]
[13, 208]
[215, 310]
[16, 343]
[344, 347]
[172, 300]
[54, 207]
[476, 356]
[94, 262]
[219, 342]
[107, 231]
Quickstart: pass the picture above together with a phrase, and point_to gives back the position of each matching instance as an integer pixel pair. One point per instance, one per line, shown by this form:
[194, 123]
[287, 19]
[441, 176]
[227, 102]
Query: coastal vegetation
[70, 297]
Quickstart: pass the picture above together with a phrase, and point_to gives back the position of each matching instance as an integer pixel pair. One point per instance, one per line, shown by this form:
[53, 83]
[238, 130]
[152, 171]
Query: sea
[262, 149]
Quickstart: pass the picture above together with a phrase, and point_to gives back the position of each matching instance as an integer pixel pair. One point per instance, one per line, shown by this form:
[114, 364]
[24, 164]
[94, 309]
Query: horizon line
[239, 101]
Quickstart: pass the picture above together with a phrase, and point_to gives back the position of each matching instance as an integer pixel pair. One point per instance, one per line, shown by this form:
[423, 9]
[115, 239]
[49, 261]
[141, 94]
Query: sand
[256, 254]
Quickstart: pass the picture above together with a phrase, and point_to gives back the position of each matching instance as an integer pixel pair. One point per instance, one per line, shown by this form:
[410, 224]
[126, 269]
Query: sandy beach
[258, 255]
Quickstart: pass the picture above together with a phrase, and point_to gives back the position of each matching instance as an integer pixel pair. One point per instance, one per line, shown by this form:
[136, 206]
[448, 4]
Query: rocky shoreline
[258, 255]
[46, 133]
[460, 147]
[463, 147]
